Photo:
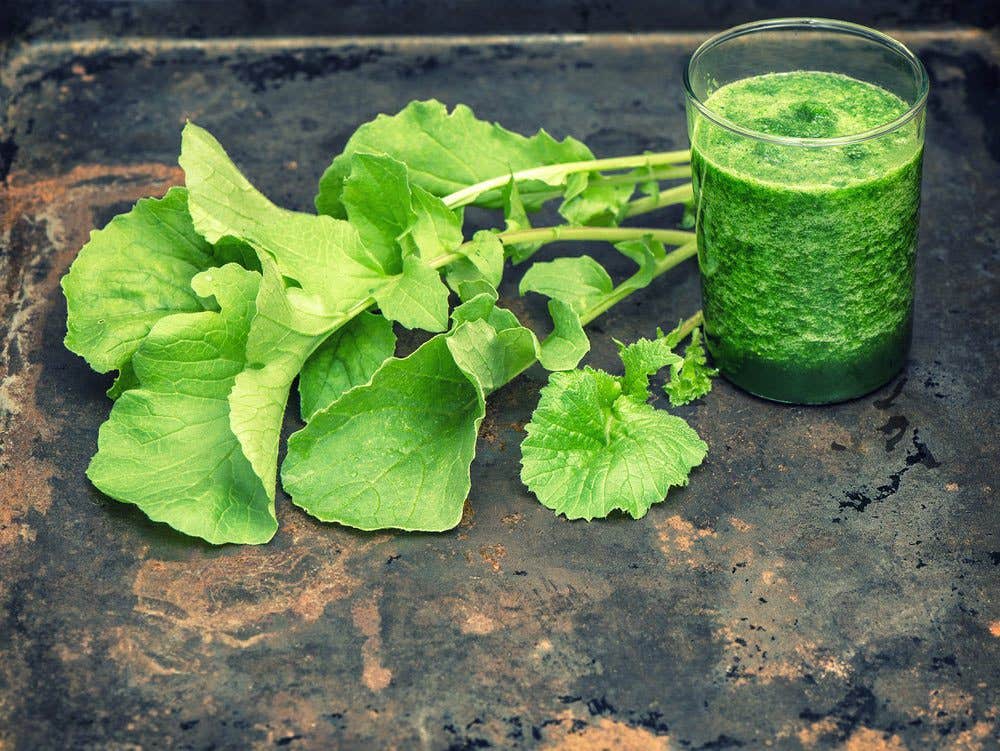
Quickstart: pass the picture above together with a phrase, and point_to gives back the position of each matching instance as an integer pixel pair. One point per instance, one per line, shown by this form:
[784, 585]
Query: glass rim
[827, 24]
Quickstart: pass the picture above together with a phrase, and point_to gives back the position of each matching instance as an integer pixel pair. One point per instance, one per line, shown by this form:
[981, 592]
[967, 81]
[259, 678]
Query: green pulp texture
[806, 251]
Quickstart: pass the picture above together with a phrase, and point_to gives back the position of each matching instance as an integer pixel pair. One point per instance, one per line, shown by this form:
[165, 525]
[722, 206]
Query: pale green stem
[550, 171]
[599, 234]
[668, 197]
[549, 235]
[561, 233]
[664, 173]
[622, 291]
[670, 173]
[690, 325]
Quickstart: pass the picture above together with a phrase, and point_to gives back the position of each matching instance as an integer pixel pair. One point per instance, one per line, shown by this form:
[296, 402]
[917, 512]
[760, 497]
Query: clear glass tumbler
[807, 144]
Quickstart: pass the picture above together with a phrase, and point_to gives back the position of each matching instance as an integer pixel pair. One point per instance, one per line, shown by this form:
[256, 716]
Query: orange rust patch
[680, 541]
[739, 525]
[493, 554]
[972, 738]
[291, 717]
[477, 622]
[812, 734]
[760, 617]
[128, 650]
[488, 431]
[950, 701]
[995, 628]
[80, 190]
[368, 621]
[866, 739]
[608, 735]
[64, 206]
[233, 597]
[237, 597]
[468, 513]
[512, 520]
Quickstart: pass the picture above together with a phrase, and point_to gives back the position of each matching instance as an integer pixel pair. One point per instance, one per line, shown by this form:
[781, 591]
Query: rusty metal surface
[828, 580]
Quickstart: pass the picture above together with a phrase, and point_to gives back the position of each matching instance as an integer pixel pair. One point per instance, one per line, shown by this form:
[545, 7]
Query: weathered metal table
[829, 577]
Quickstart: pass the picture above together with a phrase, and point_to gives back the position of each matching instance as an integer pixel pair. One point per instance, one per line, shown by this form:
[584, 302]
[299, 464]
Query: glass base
[827, 382]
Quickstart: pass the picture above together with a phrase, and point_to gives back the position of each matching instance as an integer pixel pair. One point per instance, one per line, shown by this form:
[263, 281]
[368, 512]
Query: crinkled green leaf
[692, 378]
[641, 359]
[168, 446]
[445, 152]
[131, 274]
[581, 282]
[646, 252]
[483, 260]
[280, 339]
[516, 219]
[394, 453]
[566, 345]
[394, 219]
[332, 269]
[590, 451]
[601, 203]
[688, 219]
[417, 297]
[346, 359]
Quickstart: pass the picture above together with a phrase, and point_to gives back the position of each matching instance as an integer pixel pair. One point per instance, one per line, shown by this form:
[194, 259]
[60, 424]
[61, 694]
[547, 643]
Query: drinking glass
[806, 243]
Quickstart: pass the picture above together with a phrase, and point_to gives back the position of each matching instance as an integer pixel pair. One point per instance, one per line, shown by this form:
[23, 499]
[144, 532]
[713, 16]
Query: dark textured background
[828, 580]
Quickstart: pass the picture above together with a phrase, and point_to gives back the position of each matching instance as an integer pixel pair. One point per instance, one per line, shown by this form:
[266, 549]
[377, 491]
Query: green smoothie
[806, 250]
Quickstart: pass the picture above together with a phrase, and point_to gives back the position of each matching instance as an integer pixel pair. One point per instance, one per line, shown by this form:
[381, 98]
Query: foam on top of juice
[806, 104]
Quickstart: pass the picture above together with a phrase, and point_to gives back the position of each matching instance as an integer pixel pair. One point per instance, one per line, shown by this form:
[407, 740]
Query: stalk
[678, 194]
[600, 234]
[469, 194]
[620, 292]
[566, 232]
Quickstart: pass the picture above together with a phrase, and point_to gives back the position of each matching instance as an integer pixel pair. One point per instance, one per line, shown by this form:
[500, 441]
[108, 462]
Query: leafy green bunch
[211, 301]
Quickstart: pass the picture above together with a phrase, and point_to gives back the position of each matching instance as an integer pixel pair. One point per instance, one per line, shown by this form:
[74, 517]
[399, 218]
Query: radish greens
[212, 301]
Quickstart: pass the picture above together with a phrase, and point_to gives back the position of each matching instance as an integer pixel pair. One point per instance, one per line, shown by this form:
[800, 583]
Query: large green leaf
[580, 282]
[195, 444]
[346, 359]
[602, 203]
[168, 446]
[394, 453]
[591, 450]
[280, 339]
[394, 218]
[131, 274]
[447, 151]
[332, 271]
[692, 378]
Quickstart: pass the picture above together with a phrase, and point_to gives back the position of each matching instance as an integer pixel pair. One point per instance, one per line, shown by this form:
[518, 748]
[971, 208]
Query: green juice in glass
[806, 249]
